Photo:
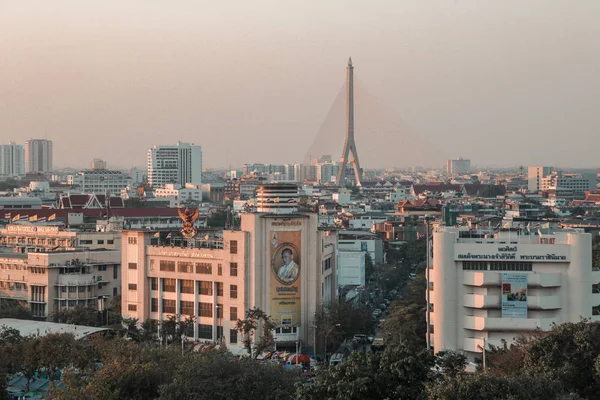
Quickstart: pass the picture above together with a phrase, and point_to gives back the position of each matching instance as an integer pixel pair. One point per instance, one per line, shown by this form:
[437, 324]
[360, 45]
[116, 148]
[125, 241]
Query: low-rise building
[49, 281]
[490, 289]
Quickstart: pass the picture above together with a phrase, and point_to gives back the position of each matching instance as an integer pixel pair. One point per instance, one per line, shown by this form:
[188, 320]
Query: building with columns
[490, 289]
[282, 264]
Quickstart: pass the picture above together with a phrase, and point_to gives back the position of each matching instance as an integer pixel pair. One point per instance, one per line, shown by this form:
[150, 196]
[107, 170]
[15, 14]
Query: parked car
[361, 338]
[412, 276]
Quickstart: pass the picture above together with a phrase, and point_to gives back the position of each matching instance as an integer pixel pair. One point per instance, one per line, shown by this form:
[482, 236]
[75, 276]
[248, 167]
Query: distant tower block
[349, 145]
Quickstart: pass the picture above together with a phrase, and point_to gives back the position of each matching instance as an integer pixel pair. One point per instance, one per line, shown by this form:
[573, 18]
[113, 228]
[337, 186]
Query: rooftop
[40, 328]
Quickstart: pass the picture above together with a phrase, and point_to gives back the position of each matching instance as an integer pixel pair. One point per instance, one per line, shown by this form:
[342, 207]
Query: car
[361, 338]
[383, 306]
[412, 276]
[377, 312]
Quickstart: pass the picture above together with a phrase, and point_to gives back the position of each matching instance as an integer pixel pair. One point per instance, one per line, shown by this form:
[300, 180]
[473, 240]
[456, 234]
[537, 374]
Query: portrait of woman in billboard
[285, 264]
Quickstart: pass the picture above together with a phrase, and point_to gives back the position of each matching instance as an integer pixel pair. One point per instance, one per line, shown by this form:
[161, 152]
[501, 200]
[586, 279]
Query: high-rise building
[459, 166]
[535, 176]
[305, 173]
[97, 164]
[12, 160]
[38, 155]
[327, 172]
[181, 163]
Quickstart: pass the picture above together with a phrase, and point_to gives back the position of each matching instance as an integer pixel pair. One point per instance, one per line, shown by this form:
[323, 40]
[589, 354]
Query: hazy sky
[500, 82]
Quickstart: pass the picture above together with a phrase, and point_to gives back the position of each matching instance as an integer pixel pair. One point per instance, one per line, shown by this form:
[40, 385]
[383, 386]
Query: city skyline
[254, 83]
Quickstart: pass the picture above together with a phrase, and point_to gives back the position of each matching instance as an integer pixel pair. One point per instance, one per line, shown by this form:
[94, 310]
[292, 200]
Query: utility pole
[428, 294]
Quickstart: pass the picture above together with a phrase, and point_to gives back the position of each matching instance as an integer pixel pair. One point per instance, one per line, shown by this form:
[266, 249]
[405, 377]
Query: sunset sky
[499, 82]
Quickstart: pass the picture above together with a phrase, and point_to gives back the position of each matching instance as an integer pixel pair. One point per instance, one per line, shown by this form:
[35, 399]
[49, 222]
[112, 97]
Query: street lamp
[326, 335]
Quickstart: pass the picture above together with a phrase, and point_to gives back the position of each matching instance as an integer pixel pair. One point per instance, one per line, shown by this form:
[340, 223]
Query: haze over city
[502, 83]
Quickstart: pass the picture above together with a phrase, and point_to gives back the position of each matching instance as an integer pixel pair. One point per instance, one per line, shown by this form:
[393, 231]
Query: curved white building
[485, 290]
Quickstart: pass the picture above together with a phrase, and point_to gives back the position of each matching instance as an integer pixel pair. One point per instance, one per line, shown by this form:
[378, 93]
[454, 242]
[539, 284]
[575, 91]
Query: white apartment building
[327, 172]
[578, 183]
[38, 155]
[535, 176]
[179, 164]
[351, 268]
[99, 181]
[180, 194]
[486, 290]
[305, 173]
[460, 166]
[12, 160]
[219, 280]
[48, 281]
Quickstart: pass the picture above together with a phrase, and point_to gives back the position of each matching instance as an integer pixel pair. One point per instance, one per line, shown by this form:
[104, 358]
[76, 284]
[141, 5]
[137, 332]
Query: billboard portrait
[285, 282]
[514, 295]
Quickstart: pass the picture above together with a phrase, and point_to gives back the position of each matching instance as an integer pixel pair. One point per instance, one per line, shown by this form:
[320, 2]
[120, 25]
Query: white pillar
[445, 316]
[580, 277]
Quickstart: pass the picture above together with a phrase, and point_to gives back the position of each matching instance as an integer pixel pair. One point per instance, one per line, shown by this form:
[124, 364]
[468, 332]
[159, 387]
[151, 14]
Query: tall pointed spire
[349, 145]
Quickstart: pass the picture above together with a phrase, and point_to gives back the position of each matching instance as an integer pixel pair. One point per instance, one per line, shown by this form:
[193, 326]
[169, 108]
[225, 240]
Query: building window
[186, 286]
[132, 307]
[431, 286]
[168, 285]
[184, 266]
[431, 330]
[596, 288]
[205, 309]
[596, 310]
[153, 283]
[168, 266]
[233, 291]
[72, 289]
[132, 240]
[203, 268]
[220, 270]
[206, 288]
[169, 306]
[204, 331]
[233, 247]
[132, 266]
[115, 291]
[110, 241]
[186, 307]
[132, 286]
[233, 336]
[233, 313]
[100, 241]
[510, 266]
[219, 310]
[81, 289]
[233, 269]
[85, 242]
[474, 265]
[219, 288]
[115, 272]
[153, 304]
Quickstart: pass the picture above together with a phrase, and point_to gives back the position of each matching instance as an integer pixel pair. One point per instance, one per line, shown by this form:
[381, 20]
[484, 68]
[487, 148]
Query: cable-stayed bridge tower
[349, 145]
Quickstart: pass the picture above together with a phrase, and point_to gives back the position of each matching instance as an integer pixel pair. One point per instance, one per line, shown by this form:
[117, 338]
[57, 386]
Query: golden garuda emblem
[188, 217]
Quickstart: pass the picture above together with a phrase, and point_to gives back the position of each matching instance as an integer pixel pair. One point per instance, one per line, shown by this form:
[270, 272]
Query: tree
[451, 363]
[256, 320]
[340, 320]
[12, 309]
[567, 354]
[578, 211]
[490, 387]
[217, 375]
[395, 373]
[78, 315]
[406, 323]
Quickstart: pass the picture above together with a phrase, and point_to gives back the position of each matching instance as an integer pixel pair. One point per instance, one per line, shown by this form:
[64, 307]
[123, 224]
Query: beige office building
[484, 291]
[47, 281]
[282, 264]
